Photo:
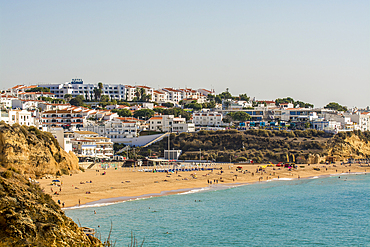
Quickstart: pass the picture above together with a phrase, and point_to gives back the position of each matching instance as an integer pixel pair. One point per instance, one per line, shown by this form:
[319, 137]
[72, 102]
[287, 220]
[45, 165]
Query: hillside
[262, 146]
[29, 217]
[34, 152]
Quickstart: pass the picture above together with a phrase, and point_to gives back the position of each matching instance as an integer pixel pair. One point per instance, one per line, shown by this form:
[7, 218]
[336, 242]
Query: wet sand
[124, 184]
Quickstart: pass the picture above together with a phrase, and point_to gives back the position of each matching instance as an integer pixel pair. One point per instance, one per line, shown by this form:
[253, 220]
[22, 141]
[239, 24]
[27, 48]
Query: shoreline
[115, 200]
[121, 185]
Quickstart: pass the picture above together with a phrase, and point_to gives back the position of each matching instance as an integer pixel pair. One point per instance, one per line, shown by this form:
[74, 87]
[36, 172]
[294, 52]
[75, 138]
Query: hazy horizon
[313, 51]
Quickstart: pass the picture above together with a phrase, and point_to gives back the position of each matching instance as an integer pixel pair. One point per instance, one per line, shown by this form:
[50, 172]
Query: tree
[68, 97]
[123, 112]
[97, 93]
[144, 113]
[209, 105]
[244, 97]
[167, 104]
[239, 116]
[77, 101]
[226, 95]
[124, 103]
[195, 106]
[335, 106]
[104, 98]
[218, 99]
[295, 103]
[210, 97]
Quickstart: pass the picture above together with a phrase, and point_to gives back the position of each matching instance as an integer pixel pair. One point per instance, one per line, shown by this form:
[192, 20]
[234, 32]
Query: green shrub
[64, 171]
[14, 170]
[7, 174]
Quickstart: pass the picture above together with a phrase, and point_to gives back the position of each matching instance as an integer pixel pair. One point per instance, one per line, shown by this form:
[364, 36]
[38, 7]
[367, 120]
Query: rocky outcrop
[28, 217]
[34, 152]
[350, 146]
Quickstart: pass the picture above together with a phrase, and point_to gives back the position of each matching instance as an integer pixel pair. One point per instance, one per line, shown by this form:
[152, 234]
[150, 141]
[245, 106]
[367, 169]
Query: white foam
[96, 205]
[194, 191]
[314, 177]
[286, 179]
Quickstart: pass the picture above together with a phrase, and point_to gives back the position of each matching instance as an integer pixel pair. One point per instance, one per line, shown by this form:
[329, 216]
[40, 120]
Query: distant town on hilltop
[89, 118]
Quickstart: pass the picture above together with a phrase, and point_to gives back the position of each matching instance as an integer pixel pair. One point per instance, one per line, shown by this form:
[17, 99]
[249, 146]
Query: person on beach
[79, 202]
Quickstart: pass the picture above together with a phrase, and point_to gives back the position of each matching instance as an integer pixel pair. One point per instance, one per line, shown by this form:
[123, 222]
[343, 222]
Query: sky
[316, 51]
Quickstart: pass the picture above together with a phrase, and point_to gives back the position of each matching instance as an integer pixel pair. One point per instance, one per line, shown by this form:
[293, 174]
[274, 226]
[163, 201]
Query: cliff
[28, 217]
[263, 146]
[34, 152]
[351, 145]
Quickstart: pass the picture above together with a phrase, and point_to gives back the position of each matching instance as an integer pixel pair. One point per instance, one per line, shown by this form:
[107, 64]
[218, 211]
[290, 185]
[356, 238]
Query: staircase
[156, 139]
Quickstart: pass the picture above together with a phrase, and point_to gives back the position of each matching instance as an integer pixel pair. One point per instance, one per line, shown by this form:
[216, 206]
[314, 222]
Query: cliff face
[351, 147]
[28, 217]
[262, 146]
[33, 152]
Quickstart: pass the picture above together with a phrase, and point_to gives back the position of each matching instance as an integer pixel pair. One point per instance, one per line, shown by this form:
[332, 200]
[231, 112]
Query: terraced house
[62, 118]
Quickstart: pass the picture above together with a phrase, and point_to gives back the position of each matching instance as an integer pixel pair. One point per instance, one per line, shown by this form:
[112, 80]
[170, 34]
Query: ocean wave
[194, 191]
[94, 205]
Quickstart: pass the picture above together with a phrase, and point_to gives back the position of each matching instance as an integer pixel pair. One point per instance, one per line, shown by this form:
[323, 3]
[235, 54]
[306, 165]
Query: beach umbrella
[56, 181]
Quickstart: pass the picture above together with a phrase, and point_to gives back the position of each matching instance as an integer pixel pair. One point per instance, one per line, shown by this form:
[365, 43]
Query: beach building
[207, 118]
[361, 120]
[326, 125]
[116, 128]
[67, 118]
[169, 123]
[63, 137]
[88, 144]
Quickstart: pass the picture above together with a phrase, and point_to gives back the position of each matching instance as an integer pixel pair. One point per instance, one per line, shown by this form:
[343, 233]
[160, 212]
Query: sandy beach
[91, 185]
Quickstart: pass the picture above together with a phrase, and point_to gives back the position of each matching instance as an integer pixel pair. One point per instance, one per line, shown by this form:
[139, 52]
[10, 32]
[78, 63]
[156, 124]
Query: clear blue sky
[315, 51]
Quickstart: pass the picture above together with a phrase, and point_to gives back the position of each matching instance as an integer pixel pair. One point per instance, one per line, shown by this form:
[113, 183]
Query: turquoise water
[328, 211]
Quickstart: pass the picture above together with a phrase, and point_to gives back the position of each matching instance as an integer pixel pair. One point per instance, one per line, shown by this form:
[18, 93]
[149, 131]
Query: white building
[327, 125]
[114, 129]
[174, 95]
[63, 118]
[35, 95]
[361, 120]
[169, 123]
[207, 118]
[87, 144]
[7, 101]
[21, 117]
[64, 138]
[160, 96]
[25, 104]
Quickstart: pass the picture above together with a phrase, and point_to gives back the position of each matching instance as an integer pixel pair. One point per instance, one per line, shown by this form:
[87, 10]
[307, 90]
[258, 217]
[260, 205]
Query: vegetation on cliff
[29, 217]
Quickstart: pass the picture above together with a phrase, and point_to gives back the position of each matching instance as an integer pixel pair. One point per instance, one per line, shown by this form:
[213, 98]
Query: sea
[318, 211]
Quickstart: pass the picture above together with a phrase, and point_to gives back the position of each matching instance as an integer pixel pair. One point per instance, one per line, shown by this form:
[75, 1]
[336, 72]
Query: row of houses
[114, 91]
